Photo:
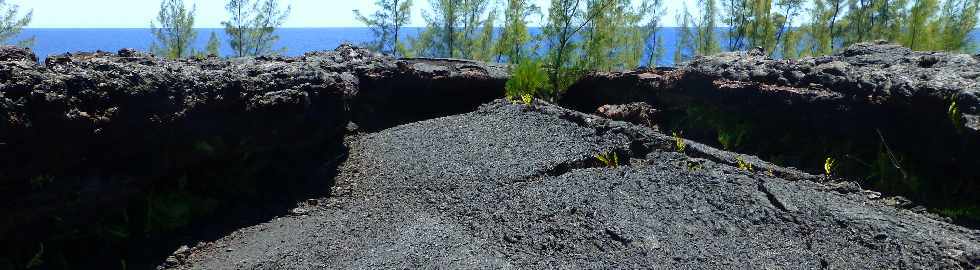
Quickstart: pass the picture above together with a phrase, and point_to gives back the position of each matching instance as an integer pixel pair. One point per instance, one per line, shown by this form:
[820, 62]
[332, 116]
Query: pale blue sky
[138, 13]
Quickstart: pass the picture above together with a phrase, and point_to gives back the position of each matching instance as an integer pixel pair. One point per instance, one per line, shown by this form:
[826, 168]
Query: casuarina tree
[386, 24]
[12, 23]
[173, 31]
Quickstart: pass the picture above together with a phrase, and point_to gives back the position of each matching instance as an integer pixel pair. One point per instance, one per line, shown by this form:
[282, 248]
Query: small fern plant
[680, 143]
[955, 115]
[610, 159]
[528, 80]
[829, 165]
[744, 165]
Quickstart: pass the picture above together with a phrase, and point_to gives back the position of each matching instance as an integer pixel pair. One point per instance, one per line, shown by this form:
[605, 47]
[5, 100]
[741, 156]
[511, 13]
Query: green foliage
[483, 48]
[40, 181]
[762, 25]
[12, 23]
[888, 174]
[527, 99]
[754, 23]
[706, 42]
[694, 166]
[730, 130]
[824, 26]
[386, 24]
[744, 165]
[869, 20]
[684, 47]
[528, 78]
[204, 148]
[680, 143]
[514, 37]
[916, 24]
[457, 29]
[440, 37]
[610, 159]
[790, 45]
[635, 31]
[731, 136]
[37, 259]
[787, 35]
[214, 45]
[919, 28]
[252, 24]
[696, 36]
[730, 140]
[736, 17]
[654, 41]
[957, 20]
[586, 35]
[565, 20]
[599, 36]
[173, 30]
[955, 116]
[829, 165]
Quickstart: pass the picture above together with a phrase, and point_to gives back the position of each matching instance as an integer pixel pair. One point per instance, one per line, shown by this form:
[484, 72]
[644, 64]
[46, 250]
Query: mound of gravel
[512, 186]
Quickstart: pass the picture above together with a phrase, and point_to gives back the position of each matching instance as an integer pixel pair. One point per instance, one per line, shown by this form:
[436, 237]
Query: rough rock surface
[873, 73]
[638, 112]
[902, 122]
[510, 186]
[868, 73]
[416, 89]
[89, 137]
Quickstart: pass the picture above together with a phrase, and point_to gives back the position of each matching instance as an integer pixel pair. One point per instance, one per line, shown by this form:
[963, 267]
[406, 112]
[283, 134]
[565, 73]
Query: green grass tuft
[528, 80]
[611, 159]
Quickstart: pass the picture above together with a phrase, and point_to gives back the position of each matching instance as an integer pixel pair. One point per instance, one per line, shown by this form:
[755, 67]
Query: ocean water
[296, 41]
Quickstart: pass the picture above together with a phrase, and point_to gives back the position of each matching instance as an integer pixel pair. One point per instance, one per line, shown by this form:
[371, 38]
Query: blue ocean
[296, 41]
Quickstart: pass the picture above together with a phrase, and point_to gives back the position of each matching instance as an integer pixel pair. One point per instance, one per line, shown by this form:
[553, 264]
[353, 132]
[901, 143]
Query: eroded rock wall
[897, 121]
[122, 147]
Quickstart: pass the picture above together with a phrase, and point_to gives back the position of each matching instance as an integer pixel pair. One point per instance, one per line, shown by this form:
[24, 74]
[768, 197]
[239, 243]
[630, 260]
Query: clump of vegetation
[512, 44]
[173, 30]
[694, 166]
[529, 80]
[744, 165]
[829, 165]
[732, 136]
[41, 181]
[13, 24]
[214, 46]
[955, 115]
[680, 143]
[527, 99]
[37, 260]
[386, 24]
[730, 130]
[252, 24]
[610, 159]
[457, 29]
